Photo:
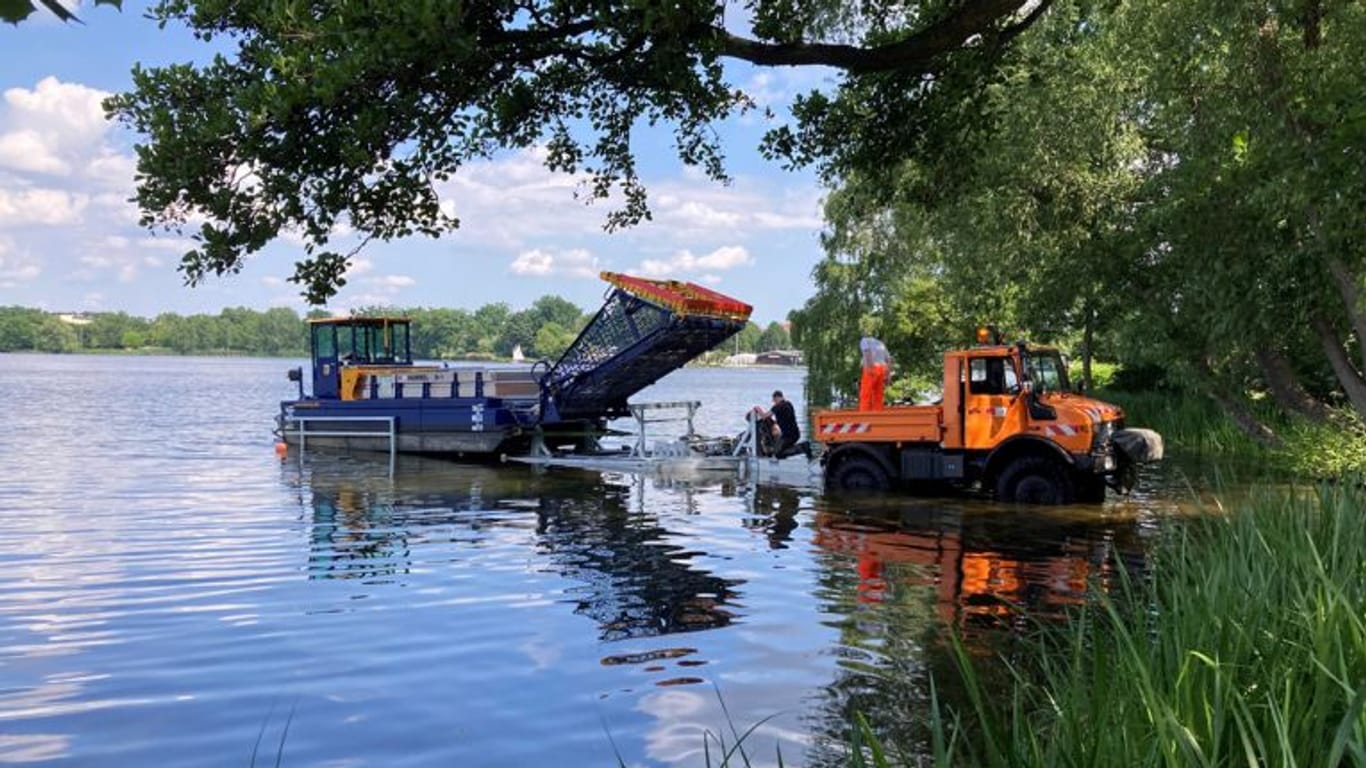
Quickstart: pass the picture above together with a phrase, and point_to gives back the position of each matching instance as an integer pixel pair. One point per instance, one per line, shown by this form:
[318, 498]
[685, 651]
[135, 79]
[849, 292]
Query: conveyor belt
[645, 330]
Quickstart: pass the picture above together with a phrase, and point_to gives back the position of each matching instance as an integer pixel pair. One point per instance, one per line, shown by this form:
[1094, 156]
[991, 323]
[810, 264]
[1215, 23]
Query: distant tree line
[543, 330]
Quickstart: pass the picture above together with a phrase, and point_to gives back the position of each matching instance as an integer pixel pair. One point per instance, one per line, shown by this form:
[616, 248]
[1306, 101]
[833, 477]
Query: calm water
[171, 592]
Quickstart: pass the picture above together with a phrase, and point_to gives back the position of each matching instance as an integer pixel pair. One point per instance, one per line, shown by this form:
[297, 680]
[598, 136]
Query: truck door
[993, 392]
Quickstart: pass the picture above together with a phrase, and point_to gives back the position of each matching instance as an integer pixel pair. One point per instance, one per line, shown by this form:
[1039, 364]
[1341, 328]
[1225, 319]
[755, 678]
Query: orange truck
[1008, 422]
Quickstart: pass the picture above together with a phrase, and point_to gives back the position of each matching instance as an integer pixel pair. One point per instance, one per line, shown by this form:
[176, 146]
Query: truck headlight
[1103, 434]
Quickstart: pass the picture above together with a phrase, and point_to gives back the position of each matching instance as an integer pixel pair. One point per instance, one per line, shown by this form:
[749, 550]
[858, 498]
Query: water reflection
[161, 598]
[623, 568]
[774, 513]
[633, 581]
[895, 577]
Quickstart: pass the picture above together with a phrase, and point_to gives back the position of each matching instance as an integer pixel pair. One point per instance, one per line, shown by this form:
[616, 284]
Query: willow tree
[1260, 209]
[1183, 177]
[330, 113]
[1011, 204]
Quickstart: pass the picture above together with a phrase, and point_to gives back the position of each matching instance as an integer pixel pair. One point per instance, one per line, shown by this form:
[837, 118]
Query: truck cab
[1009, 422]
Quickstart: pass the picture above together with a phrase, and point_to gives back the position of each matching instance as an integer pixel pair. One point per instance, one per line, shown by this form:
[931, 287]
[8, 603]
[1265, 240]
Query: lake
[173, 593]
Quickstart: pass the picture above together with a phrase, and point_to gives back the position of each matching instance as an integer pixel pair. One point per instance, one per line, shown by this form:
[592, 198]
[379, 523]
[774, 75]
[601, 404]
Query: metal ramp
[645, 330]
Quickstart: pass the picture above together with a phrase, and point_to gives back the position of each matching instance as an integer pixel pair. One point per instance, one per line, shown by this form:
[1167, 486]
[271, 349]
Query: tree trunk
[1350, 291]
[1246, 420]
[1285, 386]
[1236, 409]
[1088, 337]
[1349, 378]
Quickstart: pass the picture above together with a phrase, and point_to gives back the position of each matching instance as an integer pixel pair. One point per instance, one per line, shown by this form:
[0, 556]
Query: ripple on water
[170, 590]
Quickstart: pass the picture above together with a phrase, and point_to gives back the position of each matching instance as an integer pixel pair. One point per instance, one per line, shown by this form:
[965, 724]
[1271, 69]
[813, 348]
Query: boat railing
[303, 432]
[441, 383]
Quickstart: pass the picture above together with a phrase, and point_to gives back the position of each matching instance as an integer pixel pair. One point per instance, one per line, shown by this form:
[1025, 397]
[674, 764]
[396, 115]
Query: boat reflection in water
[622, 570]
[823, 607]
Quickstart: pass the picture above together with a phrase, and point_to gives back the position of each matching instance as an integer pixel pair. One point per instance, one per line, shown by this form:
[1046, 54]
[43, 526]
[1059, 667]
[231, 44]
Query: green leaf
[15, 11]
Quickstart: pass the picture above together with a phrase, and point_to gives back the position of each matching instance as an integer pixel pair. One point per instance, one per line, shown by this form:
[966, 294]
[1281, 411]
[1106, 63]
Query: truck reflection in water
[622, 570]
[901, 578]
[982, 574]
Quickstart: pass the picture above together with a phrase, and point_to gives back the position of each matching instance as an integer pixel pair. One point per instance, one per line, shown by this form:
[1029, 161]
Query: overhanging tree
[15, 11]
[332, 114]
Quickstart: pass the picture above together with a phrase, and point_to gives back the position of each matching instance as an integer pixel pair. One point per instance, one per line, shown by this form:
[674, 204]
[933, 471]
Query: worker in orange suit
[876, 363]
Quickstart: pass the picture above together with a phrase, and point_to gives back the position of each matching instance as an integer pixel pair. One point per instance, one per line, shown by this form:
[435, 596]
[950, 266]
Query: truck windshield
[1046, 371]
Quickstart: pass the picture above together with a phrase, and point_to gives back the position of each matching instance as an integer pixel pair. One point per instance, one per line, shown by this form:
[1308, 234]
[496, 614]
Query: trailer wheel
[859, 473]
[1034, 480]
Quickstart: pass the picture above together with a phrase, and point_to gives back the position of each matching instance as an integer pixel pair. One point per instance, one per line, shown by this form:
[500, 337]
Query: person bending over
[784, 424]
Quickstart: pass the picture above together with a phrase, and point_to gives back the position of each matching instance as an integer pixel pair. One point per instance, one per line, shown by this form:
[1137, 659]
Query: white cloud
[777, 88]
[366, 289]
[703, 216]
[58, 129]
[124, 257]
[538, 263]
[516, 203]
[40, 206]
[575, 262]
[176, 245]
[26, 151]
[391, 281]
[112, 170]
[16, 267]
[340, 231]
[357, 266]
[685, 262]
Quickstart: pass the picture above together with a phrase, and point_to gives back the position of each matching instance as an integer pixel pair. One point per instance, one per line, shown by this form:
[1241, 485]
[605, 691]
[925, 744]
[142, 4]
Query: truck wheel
[1090, 489]
[1034, 480]
[858, 473]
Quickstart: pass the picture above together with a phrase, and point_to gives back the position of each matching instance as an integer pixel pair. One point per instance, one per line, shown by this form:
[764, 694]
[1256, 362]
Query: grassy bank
[1195, 425]
[1246, 647]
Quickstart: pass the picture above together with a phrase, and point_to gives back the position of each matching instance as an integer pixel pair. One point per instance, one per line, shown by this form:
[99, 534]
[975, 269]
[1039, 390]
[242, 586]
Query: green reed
[1196, 425]
[1187, 422]
[1247, 646]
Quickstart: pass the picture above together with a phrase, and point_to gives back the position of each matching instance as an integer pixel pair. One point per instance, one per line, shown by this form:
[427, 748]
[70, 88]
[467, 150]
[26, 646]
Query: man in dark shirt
[785, 417]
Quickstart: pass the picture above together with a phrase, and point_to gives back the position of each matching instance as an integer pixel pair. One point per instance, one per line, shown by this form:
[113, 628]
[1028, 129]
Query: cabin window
[400, 342]
[992, 376]
[324, 341]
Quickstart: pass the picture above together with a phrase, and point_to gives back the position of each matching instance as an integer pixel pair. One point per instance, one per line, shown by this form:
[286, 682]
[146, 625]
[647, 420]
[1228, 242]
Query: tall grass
[1247, 647]
[1195, 425]
[1187, 422]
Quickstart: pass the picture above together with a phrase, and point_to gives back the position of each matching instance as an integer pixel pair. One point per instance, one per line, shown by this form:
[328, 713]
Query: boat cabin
[371, 358]
[346, 350]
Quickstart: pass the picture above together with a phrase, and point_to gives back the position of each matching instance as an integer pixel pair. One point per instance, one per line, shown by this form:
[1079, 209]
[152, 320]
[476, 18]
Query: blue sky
[69, 239]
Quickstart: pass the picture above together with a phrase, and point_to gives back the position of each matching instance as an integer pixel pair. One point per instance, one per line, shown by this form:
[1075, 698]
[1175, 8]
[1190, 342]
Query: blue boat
[368, 394]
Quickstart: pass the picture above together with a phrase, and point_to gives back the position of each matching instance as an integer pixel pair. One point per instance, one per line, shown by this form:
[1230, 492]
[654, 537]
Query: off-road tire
[1035, 480]
[860, 473]
[1090, 489]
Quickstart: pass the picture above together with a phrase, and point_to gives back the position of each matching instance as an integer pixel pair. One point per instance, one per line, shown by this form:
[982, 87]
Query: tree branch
[977, 17]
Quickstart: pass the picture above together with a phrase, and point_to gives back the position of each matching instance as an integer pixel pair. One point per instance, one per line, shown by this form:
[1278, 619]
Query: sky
[70, 241]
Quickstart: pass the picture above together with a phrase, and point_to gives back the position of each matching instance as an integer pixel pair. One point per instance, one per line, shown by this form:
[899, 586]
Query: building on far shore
[779, 357]
[73, 318]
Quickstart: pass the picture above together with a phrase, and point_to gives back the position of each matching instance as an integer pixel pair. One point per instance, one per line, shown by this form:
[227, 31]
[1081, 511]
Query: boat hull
[471, 427]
